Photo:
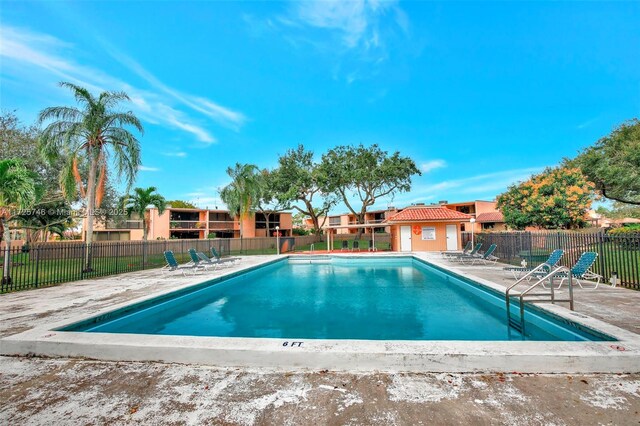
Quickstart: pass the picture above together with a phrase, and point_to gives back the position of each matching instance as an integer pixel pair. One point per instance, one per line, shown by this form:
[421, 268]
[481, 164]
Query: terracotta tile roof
[490, 217]
[420, 214]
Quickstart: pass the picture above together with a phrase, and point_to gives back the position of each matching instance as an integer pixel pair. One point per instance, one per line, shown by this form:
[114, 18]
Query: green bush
[626, 237]
[300, 231]
[626, 230]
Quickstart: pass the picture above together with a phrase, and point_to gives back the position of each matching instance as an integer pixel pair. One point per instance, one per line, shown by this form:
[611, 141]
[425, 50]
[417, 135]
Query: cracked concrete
[39, 391]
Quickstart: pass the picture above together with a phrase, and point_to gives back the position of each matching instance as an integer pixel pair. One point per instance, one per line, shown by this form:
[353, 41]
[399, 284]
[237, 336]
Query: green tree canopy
[554, 199]
[361, 175]
[613, 163]
[51, 213]
[179, 204]
[18, 191]
[267, 202]
[138, 203]
[242, 194]
[297, 184]
[94, 133]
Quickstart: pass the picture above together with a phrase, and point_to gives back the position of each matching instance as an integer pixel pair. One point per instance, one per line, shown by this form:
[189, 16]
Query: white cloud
[356, 21]
[148, 169]
[432, 165]
[23, 50]
[358, 36]
[179, 154]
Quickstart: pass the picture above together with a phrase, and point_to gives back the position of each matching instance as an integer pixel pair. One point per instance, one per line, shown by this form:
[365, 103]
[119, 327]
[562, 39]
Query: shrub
[626, 237]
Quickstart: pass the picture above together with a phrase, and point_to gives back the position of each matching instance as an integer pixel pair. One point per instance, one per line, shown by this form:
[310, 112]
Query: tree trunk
[91, 200]
[266, 219]
[6, 237]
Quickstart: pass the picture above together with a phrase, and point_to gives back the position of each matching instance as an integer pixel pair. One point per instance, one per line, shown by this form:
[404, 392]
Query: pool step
[515, 324]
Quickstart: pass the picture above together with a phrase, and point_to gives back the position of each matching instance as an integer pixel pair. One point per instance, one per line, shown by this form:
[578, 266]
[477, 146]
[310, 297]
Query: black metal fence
[616, 253]
[47, 264]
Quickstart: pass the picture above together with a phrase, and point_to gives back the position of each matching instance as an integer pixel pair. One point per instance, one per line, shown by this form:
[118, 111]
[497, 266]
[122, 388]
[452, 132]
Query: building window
[488, 225]
[334, 221]
[261, 220]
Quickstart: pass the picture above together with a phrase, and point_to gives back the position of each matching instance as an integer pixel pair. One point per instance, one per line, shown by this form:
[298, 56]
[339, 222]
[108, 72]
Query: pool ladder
[526, 295]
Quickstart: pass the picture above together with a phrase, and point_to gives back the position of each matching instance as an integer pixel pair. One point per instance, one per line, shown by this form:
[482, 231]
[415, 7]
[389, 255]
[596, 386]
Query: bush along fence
[47, 264]
[619, 253]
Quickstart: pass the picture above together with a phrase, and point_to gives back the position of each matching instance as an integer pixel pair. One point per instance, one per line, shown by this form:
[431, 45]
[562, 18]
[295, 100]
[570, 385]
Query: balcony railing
[221, 225]
[187, 224]
[123, 224]
[367, 222]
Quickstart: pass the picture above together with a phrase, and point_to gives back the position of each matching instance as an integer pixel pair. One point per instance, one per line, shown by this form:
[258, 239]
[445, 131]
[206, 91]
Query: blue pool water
[341, 298]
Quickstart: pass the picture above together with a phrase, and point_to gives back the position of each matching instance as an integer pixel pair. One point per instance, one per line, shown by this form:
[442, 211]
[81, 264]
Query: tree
[619, 211]
[138, 203]
[179, 204]
[95, 133]
[613, 163]
[17, 191]
[241, 195]
[297, 184]
[52, 213]
[267, 203]
[557, 198]
[366, 174]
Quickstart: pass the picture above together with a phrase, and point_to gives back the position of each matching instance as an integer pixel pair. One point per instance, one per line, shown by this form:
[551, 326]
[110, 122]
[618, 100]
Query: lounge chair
[460, 256]
[372, 247]
[486, 257]
[224, 262]
[551, 262]
[581, 270]
[464, 251]
[345, 245]
[355, 246]
[199, 262]
[173, 265]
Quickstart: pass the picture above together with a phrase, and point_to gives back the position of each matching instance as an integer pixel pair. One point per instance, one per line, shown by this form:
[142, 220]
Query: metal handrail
[527, 292]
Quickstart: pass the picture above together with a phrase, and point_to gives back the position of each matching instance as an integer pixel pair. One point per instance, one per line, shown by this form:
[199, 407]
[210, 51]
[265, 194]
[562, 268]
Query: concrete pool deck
[71, 391]
[335, 355]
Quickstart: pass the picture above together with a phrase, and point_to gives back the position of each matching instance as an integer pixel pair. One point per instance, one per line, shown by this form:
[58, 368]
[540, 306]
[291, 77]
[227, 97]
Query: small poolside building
[427, 228]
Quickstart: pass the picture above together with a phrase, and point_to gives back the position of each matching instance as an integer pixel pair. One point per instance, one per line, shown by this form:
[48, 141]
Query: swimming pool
[373, 298]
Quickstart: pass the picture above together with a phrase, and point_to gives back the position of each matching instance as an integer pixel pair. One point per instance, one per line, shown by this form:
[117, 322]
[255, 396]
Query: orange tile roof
[490, 217]
[421, 214]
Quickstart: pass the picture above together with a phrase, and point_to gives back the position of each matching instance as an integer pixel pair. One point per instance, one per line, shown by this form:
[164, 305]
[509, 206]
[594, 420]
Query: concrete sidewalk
[38, 391]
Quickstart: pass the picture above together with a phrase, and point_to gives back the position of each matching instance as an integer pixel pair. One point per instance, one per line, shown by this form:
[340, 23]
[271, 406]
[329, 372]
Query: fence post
[37, 264]
[117, 256]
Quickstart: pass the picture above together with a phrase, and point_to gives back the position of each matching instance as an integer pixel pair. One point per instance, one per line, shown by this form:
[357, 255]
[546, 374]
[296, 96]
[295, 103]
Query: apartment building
[180, 223]
[347, 219]
[486, 214]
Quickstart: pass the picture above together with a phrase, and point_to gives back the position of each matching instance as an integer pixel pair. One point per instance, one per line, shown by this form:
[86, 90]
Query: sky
[480, 95]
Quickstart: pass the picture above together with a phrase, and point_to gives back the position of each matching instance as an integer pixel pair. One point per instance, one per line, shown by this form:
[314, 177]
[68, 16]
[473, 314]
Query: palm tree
[138, 202]
[94, 134]
[17, 191]
[242, 194]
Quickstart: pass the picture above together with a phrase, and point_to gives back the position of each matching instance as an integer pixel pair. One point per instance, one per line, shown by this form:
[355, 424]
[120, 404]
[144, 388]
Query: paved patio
[71, 391]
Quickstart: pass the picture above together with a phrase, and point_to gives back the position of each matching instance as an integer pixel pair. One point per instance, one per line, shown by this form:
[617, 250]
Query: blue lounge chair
[486, 257]
[461, 256]
[372, 246]
[465, 250]
[551, 262]
[345, 245]
[199, 262]
[581, 270]
[229, 261]
[173, 265]
[355, 246]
